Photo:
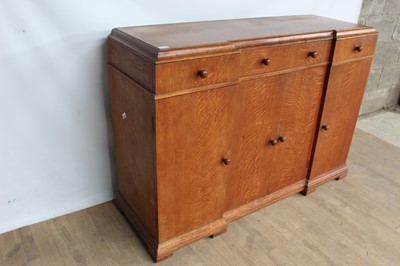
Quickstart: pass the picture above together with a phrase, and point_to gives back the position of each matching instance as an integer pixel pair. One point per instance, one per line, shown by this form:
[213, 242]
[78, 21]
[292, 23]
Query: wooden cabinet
[215, 120]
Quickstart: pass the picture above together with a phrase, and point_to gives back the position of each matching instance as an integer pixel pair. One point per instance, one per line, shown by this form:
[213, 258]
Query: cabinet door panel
[193, 132]
[298, 113]
[282, 105]
[256, 119]
[342, 103]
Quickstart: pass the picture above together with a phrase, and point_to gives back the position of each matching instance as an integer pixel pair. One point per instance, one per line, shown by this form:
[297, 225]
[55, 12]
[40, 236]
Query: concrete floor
[384, 124]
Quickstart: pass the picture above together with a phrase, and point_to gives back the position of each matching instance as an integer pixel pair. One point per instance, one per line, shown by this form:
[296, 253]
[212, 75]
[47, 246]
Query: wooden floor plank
[355, 221]
[11, 249]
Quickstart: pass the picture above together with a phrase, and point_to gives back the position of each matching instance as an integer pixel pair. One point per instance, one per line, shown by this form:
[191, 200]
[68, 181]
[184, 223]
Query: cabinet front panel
[342, 103]
[285, 106]
[279, 57]
[193, 136]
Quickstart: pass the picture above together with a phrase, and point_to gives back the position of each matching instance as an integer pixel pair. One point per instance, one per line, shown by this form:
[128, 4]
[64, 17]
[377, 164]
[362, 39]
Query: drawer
[353, 48]
[287, 56]
[188, 74]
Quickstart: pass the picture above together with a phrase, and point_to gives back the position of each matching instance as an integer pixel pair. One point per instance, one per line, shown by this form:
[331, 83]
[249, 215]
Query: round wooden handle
[313, 54]
[266, 61]
[282, 138]
[202, 73]
[358, 48]
[273, 142]
[226, 160]
[325, 127]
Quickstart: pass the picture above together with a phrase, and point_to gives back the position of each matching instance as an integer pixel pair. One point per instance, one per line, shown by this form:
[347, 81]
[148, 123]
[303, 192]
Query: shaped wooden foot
[307, 191]
[219, 232]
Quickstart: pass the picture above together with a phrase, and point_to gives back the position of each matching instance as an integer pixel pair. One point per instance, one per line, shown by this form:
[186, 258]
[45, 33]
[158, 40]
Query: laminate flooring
[354, 221]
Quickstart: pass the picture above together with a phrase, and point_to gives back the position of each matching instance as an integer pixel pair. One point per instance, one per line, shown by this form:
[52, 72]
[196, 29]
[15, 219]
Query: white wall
[54, 148]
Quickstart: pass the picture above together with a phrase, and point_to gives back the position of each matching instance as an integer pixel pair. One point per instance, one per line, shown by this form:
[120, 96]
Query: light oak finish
[354, 47]
[296, 55]
[191, 145]
[186, 74]
[219, 119]
[255, 162]
[352, 222]
[339, 116]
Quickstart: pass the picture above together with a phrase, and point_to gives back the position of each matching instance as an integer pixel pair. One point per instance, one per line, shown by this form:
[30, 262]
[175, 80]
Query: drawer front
[287, 56]
[354, 48]
[188, 74]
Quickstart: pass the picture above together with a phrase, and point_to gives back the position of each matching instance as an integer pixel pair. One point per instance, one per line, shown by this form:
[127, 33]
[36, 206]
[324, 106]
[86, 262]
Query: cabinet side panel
[141, 70]
[132, 113]
[342, 103]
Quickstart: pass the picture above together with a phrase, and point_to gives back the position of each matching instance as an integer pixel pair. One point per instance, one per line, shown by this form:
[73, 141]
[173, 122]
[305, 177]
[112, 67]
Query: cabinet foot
[219, 232]
[340, 177]
[308, 191]
[313, 183]
[161, 257]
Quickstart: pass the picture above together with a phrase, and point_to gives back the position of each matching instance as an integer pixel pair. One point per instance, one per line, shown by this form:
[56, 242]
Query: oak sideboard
[214, 120]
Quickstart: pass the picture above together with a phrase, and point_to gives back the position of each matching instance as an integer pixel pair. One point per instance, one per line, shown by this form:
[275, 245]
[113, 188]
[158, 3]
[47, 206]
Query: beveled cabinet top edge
[181, 40]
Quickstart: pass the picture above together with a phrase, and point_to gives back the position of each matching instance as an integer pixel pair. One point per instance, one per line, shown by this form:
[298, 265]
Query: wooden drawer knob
[313, 54]
[358, 48]
[266, 61]
[325, 127]
[226, 160]
[202, 73]
[281, 138]
[273, 142]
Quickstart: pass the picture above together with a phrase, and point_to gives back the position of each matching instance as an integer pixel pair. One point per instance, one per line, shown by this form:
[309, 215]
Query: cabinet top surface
[179, 35]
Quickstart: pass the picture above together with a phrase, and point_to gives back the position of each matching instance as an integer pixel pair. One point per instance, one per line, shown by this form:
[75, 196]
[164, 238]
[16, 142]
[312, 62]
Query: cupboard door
[342, 103]
[298, 115]
[285, 106]
[193, 134]
[256, 104]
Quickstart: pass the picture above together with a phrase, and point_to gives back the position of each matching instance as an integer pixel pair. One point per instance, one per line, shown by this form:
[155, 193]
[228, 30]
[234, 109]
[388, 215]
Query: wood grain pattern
[193, 134]
[298, 112]
[215, 122]
[261, 202]
[260, 168]
[184, 74]
[284, 57]
[254, 125]
[178, 36]
[134, 146]
[346, 48]
[140, 69]
[342, 102]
